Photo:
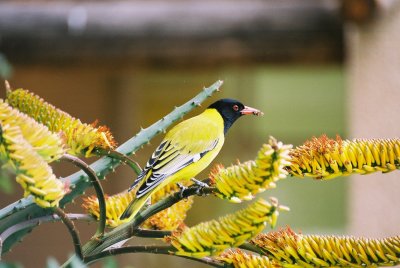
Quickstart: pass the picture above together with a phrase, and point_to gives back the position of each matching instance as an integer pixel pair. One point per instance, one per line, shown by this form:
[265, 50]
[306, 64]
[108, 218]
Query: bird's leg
[182, 188]
[146, 204]
[201, 185]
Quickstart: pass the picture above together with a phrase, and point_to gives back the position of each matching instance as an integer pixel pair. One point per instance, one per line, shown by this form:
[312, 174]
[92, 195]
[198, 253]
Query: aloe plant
[30, 141]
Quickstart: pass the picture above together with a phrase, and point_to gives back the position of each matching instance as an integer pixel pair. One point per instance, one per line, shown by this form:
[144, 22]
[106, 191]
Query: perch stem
[130, 229]
[166, 250]
[151, 233]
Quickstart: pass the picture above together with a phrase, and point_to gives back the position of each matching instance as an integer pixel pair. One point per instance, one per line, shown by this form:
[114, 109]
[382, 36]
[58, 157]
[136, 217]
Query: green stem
[72, 230]
[26, 207]
[209, 261]
[155, 249]
[151, 233]
[250, 247]
[120, 157]
[97, 187]
[166, 250]
[130, 229]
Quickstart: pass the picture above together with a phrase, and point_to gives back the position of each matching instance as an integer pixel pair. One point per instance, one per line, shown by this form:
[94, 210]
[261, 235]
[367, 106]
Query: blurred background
[313, 67]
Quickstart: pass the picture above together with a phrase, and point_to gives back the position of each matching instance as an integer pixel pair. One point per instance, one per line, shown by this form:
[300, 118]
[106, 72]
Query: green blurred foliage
[5, 67]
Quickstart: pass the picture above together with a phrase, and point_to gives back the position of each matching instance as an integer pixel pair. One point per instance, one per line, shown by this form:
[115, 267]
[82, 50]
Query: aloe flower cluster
[167, 219]
[115, 206]
[50, 146]
[244, 180]
[35, 133]
[81, 138]
[297, 250]
[212, 237]
[325, 158]
[32, 171]
[172, 217]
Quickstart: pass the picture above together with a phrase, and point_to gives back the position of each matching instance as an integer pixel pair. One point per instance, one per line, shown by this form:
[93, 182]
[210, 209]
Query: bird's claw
[201, 185]
[182, 188]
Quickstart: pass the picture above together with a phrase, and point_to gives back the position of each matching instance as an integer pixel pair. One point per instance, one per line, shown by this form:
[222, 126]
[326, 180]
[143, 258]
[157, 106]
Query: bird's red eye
[235, 108]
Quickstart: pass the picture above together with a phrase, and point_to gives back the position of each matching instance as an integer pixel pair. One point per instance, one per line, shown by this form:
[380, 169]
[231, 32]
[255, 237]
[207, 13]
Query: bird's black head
[231, 110]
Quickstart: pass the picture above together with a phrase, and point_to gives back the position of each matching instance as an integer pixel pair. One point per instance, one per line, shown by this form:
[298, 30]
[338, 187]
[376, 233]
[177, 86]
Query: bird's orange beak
[250, 110]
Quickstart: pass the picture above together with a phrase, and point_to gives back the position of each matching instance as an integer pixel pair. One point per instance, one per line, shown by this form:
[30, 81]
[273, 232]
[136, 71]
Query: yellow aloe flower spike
[81, 138]
[213, 237]
[115, 206]
[47, 144]
[240, 259]
[33, 173]
[325, 158]
[290, 248]
[244, 180]
[167, 219]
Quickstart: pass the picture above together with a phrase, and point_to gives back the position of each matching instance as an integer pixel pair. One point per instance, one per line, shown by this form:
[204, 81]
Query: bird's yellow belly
[195, 168]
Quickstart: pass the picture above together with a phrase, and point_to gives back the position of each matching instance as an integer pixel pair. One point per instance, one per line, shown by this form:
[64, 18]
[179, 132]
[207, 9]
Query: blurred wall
[374, 112]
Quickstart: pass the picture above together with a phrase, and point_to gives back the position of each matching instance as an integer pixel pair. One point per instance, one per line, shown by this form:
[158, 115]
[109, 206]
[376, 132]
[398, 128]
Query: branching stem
[97, 187]
[72, 230]
[122, 158]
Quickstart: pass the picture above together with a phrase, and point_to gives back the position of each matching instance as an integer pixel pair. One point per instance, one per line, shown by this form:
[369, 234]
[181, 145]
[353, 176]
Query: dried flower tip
[325, 158]
[244, 180]
[33, 173]
[81, 138]
[47, 144]
[289, 248]
[240, 259]
[213, 237]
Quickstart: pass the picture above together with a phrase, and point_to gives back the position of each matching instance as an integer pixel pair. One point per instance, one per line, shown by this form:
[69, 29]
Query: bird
[187, 149]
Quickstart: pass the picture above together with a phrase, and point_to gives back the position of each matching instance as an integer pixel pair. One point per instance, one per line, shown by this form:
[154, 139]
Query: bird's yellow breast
[194, 135]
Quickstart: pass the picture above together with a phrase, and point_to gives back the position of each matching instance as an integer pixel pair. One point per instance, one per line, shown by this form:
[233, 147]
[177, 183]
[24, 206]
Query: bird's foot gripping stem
[182, 189]
[201, 185]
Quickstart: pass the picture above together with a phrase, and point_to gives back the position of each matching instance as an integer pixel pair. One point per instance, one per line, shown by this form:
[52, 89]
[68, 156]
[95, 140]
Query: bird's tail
[134, 207]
